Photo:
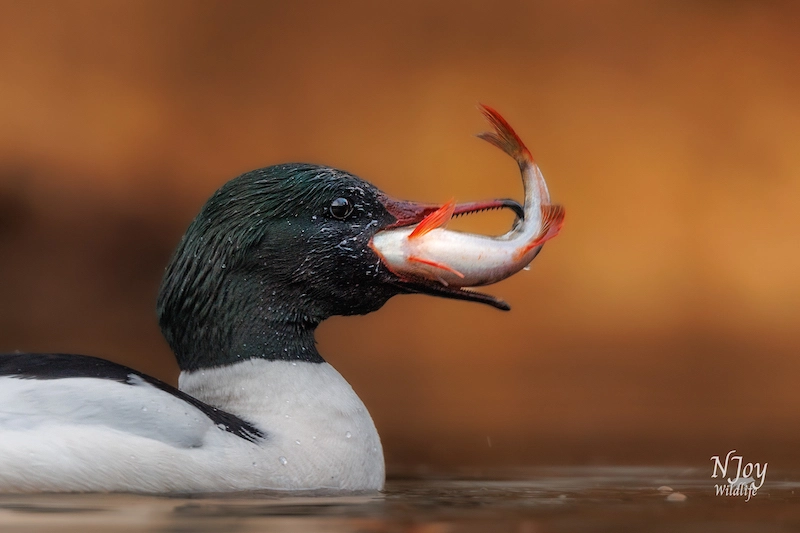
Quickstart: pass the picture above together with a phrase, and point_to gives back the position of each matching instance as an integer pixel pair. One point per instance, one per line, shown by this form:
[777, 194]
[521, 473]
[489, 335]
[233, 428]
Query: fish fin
[437, 219]
[435, 264]
[504, 136]
[552, 220]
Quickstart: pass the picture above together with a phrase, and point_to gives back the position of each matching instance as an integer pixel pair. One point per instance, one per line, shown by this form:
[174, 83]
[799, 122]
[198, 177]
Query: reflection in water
[547, 499]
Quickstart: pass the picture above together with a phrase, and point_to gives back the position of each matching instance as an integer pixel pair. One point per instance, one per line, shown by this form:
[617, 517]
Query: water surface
[524, 501]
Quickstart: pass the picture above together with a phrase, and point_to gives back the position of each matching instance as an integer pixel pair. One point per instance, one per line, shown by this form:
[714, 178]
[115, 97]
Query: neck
[244, 318]
[273, 336]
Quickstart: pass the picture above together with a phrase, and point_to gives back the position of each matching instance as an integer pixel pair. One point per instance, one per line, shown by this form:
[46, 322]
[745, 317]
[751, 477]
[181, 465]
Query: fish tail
[504, 137]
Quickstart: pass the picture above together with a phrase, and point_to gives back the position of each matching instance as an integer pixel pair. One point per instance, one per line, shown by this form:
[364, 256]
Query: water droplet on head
[144, 408]
[348, 435]
[283, 460]
[297, 442]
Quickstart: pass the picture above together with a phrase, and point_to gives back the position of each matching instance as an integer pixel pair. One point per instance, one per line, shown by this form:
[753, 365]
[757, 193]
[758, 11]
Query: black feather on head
[266, 261]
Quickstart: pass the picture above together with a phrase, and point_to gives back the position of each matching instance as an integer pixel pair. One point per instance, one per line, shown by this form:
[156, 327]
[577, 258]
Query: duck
[272, 254]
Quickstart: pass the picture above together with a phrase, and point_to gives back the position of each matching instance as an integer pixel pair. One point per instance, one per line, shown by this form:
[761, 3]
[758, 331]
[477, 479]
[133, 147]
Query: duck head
[276, 251]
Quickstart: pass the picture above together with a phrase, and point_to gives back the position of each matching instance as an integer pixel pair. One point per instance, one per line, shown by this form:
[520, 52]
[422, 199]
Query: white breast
[86, 434]
[319, 433]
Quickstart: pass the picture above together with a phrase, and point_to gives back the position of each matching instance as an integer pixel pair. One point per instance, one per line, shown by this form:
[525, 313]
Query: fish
[428, 251]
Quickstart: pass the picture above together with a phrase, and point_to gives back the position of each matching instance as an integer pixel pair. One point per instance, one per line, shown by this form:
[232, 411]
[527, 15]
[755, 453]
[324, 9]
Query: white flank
[86, 434]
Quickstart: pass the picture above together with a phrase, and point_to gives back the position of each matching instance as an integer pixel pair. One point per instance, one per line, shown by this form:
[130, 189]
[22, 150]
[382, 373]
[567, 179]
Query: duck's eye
[341, 208]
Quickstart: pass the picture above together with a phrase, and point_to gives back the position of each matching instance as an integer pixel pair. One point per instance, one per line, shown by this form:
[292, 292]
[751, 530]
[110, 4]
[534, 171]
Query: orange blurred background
[659, 328]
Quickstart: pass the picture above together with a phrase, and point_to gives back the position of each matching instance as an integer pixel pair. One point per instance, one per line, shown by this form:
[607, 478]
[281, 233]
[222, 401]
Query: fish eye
[341, 208]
